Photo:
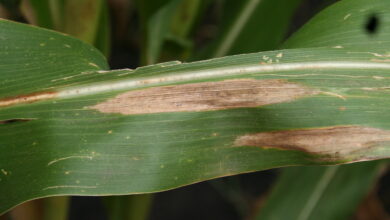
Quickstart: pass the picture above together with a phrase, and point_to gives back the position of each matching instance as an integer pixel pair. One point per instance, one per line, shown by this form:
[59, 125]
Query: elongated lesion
[206, 96]
[27, 98]
[338, 142]
[15, 120]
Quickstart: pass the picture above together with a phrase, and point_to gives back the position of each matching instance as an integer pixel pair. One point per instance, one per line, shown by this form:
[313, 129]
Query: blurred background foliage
[132, 33]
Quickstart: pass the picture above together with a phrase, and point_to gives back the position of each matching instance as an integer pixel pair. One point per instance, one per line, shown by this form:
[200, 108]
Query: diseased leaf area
[69, 127]
[372, 24]
[203, 97]
[355, 141]
[15, 120]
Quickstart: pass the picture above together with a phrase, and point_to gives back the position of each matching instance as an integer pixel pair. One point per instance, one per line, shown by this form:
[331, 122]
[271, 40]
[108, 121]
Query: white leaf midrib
[209, 74]
[180, 77]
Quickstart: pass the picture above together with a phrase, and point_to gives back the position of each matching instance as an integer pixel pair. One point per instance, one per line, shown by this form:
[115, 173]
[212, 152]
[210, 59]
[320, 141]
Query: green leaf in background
[252, 26]
[87, 20]
[135, 207]
[320, 192]
[158, 29]
[38, 12]
[184, 17]
[146, 11]
[69, 127]
[57, 9]
[147, 8]
[103, 38]
[169, 23]
[82, 18]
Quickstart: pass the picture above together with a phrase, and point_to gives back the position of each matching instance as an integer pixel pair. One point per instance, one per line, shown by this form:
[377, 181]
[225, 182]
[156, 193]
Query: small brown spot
[205, 96]
[342, 108]
[334, 141]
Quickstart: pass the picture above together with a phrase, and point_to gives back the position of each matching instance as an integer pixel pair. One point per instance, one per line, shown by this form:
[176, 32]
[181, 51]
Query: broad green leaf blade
[320, 192]
[32, 59]
[71, 147]
[69, 128]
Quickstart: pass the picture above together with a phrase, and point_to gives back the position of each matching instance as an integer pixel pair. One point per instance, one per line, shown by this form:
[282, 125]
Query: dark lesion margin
[15, 120]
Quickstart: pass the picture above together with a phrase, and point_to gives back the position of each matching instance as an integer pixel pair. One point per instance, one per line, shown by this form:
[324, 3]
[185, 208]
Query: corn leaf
[314, 187]
[68, 126]
[320, 192]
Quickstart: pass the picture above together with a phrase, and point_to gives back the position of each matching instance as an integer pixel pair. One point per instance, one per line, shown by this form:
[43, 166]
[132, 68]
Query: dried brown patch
[205, 96]
[336, 141]
[29, 98]
[380, 60]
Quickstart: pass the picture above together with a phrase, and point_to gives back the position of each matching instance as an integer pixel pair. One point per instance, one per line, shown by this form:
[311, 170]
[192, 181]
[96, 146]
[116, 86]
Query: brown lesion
[335, 141]
[380, 60]
[27, 98]
[206, 96]
[15, 120]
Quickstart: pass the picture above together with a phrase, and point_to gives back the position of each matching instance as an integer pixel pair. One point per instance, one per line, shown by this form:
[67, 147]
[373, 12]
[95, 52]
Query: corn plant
[69, 125]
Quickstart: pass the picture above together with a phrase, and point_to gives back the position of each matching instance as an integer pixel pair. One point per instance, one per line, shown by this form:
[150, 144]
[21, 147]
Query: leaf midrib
[185, 77]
